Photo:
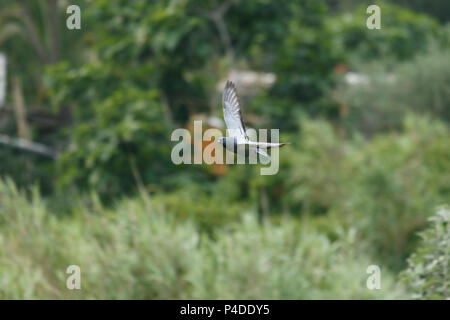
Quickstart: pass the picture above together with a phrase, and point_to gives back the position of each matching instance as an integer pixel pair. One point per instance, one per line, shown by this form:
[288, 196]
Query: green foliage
[380, 104]
[145, 45]
[302, 68]
[163, 47]
[284, 262]
[16, 40]
[382, 186]
[367, 162]
[112, 150]
[209, 210]
[302, 58]
[139, 251]
[427, 275]
[437, 8]
[403, 33]
[20, 37]
[404, 176]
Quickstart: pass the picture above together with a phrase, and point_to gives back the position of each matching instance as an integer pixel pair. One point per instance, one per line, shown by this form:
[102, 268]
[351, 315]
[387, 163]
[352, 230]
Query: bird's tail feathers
[268, 145]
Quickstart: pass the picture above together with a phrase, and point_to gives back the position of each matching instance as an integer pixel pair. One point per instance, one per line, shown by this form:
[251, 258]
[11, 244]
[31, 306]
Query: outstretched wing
[232, 113]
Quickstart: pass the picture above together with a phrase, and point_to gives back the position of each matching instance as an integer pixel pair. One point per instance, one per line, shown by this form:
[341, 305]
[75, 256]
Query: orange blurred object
[216, 169]
[340, 68]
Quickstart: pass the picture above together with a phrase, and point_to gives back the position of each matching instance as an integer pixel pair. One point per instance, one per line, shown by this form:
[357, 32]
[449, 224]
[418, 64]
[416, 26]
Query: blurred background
[86, 177]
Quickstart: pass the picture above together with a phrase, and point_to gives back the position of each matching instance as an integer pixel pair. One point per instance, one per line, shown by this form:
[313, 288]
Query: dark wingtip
[229, 88]
[229, 84]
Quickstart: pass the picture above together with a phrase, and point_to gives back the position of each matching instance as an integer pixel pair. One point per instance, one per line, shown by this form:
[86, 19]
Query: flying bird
[232, 114]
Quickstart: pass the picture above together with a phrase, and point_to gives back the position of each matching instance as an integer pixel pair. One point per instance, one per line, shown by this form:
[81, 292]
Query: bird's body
[238, 141]
[231, 144]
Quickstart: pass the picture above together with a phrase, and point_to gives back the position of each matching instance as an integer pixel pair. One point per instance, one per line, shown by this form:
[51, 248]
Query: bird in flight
[232, 114]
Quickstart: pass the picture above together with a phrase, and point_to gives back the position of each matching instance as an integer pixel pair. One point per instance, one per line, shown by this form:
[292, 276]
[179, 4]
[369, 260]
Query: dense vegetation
[428, 274]
[368, 165]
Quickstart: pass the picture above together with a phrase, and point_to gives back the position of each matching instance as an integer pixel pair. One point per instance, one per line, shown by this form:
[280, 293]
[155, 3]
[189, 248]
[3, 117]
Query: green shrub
[403, 33]
[382, 186]
[428, 272]
[285, 261]
[113, 151]
[208, 210]
[421, 85]
[397, 179]
[139, 251]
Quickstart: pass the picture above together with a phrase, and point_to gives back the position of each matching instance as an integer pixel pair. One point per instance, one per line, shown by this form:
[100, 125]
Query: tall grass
[138, 250]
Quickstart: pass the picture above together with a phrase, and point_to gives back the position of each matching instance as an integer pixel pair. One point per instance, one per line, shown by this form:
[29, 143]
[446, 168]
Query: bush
[403, 33]
[208, 210]
[138, 251]
[284, 261]
[427, 275]
[113, 151]
[397, 178]
[421, 85]
[382, 186]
